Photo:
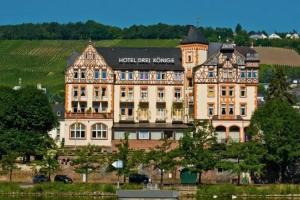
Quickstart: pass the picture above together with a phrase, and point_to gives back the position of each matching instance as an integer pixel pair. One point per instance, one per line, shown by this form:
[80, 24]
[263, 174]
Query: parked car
[40, 178]
[63, 178]
[138, 178]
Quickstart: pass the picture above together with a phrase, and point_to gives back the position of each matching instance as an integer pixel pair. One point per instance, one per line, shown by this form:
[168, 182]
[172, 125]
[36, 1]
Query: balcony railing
[126, 99]
[100, 98]
[144, 99]
[144, 115]
[88, 115]
[161, 99]
[126, 117]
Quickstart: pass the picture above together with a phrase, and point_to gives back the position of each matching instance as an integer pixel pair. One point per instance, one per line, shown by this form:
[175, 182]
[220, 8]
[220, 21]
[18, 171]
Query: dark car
[138, 178]
[40, 178]
[63, 178]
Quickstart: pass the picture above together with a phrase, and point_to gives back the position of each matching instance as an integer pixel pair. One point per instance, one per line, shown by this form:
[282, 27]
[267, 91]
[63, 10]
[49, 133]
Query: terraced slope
[278, 56]
[44, 61]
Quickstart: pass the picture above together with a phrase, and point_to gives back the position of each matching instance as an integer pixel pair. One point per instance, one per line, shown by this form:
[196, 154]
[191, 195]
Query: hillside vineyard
[156, 93]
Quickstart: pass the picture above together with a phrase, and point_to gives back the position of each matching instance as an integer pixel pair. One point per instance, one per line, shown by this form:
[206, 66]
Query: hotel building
[156, 93]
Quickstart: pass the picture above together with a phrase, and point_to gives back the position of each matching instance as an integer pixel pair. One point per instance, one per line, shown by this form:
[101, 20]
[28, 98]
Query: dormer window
[160, 75]
[210, 74]
[96, 74]
[104, 74]
[130, 75]
[76, 74]
[144, 75]
[82, 74]
[123, 75]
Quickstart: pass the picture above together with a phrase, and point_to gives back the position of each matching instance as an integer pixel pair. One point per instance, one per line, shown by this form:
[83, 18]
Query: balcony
[126, 99]
[144, 99]
[161, 99]
[100, 98]
[143, 115]
[126, 118]
[88, 115]
[178, 99]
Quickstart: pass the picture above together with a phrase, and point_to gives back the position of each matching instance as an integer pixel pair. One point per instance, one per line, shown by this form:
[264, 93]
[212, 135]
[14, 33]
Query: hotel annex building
[156, 93]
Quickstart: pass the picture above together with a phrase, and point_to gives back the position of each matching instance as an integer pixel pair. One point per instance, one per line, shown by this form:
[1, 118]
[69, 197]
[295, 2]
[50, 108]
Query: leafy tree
[238, 28]
[162, 157]
[8, 163]
[88, 159]
[195, 148]
[49, 164]
[242, 157]
[278, 125]
[25, 120]
[279, 87]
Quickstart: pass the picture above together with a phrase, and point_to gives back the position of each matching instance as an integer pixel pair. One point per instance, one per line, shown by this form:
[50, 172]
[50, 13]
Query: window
[130, 93]
[249, 74]
[156, 135]
[243, 92]
[177, 93]
[96, 106]
[130, 75]
[123, 109]
[144, 93]
[161, 94]
[210, 109]
[223, 109]
[103, 92]
[77, 131]
[231, 91]
[58, 114]
[96, 92]
[130, 110]
[82, 91]
[243, 74]
[210, 91]
[144, 75]
[104, 74]
[160, 75]
[82, 74]
[75, 106]
[144, 135]
[75, 92]
[223, 91]
[82, 106]
[96, 74]
[161, 113]
[99, 131]
[119, 135]
[211, 74]
[231, 110]
[168, 135]
[243, 110]
[122, 75]
[189, 58]
[76, 74]
[178, 76]
[254, 73]
[178, 135]
[123, 92]
[190, 82]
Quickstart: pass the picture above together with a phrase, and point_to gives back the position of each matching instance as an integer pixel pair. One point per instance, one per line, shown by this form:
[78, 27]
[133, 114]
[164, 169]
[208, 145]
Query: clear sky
[269, 15]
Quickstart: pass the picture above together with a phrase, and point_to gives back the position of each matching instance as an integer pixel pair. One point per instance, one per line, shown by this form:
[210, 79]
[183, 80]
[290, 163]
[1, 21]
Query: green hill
[44, 61]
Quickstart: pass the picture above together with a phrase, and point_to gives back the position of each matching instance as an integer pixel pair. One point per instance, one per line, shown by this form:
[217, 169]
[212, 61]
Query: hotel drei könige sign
[157, 60]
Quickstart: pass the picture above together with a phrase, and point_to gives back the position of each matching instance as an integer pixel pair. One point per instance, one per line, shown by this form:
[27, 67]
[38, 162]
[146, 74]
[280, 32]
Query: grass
[228, 190]
[62, 188]
[44, 61]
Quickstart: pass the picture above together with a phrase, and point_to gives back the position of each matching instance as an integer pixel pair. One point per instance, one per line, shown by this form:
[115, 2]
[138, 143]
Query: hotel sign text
[157, 60]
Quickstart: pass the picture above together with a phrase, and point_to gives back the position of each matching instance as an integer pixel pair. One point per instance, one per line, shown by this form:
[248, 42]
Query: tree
[195, 148]
[49, 164]
[88, 159]
[238, 28]
[278, 125]
[279, 88]
[242, 157]
[8, 163]
[162, 157]
[25, 121]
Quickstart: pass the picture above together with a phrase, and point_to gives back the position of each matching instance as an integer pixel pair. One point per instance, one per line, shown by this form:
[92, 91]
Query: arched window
[234, 134]
[99, 131]
[77, 131]
[221, 134]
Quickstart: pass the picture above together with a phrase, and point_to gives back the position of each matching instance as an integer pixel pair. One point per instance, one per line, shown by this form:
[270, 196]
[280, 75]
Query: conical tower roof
[194, 36]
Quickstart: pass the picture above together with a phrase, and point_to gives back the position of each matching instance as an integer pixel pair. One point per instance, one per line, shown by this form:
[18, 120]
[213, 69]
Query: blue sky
[269, 15]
